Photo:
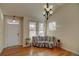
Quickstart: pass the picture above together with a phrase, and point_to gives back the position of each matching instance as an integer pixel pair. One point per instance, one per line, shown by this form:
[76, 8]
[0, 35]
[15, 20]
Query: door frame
[6, 30]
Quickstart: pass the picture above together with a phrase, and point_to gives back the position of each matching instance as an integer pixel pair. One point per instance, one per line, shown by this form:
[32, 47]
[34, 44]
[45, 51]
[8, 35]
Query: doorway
[13, 33]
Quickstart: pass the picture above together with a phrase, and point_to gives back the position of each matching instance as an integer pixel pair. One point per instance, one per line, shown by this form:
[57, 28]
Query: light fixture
[48, 11]
[14, 20]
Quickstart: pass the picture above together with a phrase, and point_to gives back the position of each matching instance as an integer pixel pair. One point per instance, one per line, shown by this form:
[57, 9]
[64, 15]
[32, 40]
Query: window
[41, 29]
[52, 26]
[32, 29]
[36, 28]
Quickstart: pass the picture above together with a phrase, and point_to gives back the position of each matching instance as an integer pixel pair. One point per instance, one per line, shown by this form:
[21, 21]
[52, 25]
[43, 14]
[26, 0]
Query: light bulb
[14, 21]
[47, 9]
[43, 12]
[51, 12]
[51, 7]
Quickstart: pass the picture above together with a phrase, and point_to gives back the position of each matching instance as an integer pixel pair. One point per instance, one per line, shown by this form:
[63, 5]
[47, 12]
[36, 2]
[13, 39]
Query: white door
[13, 35]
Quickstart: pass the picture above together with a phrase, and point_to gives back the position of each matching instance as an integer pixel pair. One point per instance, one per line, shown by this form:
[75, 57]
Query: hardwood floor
[34, 51]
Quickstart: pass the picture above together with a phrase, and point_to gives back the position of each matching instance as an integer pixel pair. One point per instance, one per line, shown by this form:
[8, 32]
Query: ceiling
[25, 9]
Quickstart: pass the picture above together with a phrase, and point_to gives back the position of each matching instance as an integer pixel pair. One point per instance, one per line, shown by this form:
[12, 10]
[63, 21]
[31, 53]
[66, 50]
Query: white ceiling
[25, 9]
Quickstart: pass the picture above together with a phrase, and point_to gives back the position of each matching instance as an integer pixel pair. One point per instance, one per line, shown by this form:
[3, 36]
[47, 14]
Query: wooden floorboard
[34, 51]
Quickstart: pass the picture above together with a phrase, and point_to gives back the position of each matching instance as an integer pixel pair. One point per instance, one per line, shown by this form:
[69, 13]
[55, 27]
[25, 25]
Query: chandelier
[48, 11]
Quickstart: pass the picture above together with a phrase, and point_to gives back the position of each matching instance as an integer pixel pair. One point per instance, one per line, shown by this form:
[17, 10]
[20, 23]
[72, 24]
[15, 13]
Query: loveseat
[43, 41]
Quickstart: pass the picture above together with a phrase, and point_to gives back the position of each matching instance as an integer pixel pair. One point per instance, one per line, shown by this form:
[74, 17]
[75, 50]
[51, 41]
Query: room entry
[13, 34]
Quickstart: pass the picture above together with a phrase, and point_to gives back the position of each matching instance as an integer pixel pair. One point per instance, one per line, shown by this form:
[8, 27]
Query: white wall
[25, 30]
[67, 31]
[1, 32]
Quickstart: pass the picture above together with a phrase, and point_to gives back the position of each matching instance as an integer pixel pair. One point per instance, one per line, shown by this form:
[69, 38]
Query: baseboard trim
[71, 50]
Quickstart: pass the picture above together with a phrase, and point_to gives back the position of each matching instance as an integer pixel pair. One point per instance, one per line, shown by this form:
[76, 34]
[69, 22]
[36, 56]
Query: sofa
[43, 41]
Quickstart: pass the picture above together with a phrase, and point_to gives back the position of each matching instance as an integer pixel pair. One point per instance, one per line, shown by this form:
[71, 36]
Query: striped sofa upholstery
[43, 41]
